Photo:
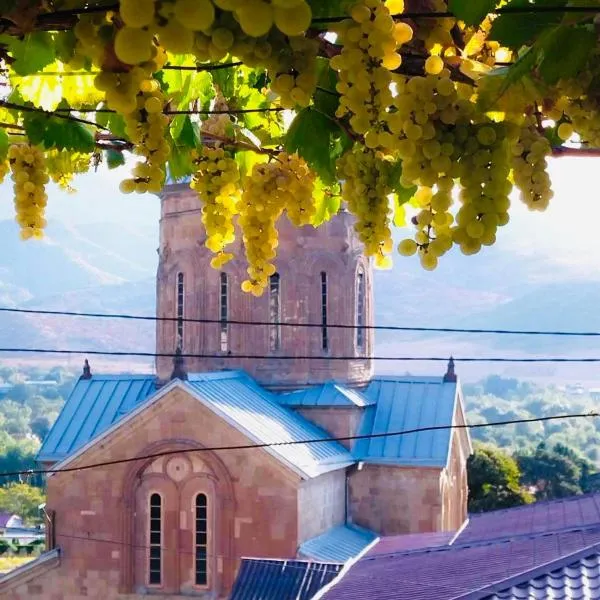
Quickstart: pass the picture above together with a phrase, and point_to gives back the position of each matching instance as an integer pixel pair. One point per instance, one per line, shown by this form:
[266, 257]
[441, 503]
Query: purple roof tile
[411, 541]
[449, 572]
[5, 518]
[540, 517]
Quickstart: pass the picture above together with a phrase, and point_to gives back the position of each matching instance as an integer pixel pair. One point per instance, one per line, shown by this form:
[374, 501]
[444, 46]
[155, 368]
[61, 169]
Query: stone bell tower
[322, 279]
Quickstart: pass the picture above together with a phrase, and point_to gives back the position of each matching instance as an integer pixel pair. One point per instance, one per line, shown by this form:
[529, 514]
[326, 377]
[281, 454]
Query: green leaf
[515, 30]
[3, 144]
[472, 12]
[180, 163]
[330, 8]
[32, 53]
[319, 140]
[326, 98]
[62, 134]
[224, 79]
[114, 159]
[189, 134]
[566, 52]
[246, 159]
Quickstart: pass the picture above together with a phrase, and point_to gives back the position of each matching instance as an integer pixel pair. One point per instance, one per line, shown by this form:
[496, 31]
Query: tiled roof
[574, 577]
[539, 517]
[328, 394]
[407, 403]
[411, 541]
[97, 404]
[337, 544]
[255, 411]
[453, 572]
[92, 407]
[268, 579]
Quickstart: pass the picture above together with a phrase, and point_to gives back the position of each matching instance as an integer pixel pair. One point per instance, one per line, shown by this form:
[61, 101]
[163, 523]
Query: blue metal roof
[329, 394]
[92, 407]
[255, 411]
[404, 403]
[273, 579]
[338, 544]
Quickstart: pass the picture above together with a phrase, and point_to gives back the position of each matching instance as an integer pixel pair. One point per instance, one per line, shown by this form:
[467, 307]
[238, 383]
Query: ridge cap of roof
[532, 573]
[486, 542]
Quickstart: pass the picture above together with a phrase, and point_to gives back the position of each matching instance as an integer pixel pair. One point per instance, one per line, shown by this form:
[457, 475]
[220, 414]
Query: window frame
[324, 295]
[207, 538]
[152, 545]
[361, 311]
[224, 341]
[275, 313]
[179, 308]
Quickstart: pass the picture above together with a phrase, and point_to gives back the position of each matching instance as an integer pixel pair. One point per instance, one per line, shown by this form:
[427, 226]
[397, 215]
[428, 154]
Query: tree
[494, 481]
[401, 105]
[23, 500]
[554, 474]
[40, 426]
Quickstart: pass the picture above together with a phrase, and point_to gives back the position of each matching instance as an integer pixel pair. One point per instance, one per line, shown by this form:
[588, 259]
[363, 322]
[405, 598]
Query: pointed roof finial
[450, 376]
[179, 371]
[87, 371]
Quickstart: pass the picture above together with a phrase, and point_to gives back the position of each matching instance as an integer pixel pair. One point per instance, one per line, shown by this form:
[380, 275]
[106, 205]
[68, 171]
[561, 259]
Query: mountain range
[109, 267]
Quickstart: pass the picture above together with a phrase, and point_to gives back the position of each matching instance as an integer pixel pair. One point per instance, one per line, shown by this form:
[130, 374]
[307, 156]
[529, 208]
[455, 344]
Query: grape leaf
[326, 98]
[189, 133]
[180, 163]
[3, 144]
[472, 12]
[62, 134]
[515, 30]
[114, 159]
[565, 52]
[327, 203]
[319, 140]
[32, 53]
[331, 8]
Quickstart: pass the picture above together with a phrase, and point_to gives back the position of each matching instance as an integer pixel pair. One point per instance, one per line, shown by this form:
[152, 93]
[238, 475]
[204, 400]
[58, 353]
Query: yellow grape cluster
[370, 43]
[216, 181]
[29, 175]
[283, 183]
[530, 166]
[63, 165]
[365, 190]
[4, 169]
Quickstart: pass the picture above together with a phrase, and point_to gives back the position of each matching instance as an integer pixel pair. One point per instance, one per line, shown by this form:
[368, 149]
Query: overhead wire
[369, 436]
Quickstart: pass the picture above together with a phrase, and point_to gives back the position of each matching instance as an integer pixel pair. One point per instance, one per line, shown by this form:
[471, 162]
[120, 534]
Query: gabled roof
[273, 579]
[404, 403]
[326, 395]
[338, 544]
[232, 395]
[92, 407]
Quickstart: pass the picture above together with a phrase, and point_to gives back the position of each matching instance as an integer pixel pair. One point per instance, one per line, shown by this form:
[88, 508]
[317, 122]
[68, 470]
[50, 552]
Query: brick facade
[302, 255]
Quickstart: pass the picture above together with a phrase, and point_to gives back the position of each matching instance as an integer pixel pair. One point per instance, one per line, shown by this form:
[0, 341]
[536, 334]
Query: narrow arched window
[274, 313]
[224, 312]
[360, 310]
[180, 293]
[201, 554]
[155, 554]
[324, 333]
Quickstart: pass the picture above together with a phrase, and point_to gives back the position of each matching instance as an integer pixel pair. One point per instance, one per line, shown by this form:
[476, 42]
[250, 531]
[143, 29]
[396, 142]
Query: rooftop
[338, 544]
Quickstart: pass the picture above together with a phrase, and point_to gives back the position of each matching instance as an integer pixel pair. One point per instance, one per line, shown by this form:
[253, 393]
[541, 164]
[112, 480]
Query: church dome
[322, 279]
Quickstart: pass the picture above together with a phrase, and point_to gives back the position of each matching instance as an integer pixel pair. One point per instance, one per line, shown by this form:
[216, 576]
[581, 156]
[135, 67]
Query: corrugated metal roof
[338, 544]
[255, 411]
[577, 580]
[411, 541]
[328, 394]
[270, 579]
[407, 403]
[91, 408]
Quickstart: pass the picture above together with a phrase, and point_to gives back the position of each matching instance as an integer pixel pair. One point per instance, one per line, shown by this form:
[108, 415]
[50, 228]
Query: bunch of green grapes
[29, 175]
[284, 183]
[370, 41]
[63, 165]
[365, 190]
[4, 169]
[530, 166]
[216, 181]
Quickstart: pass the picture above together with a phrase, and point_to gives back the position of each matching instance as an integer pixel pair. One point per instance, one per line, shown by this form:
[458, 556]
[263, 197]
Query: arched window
[224, 312]
[201, 553]
[360, 310]
[324, 333]
[155, 552]
[180, 293]
[274, 313]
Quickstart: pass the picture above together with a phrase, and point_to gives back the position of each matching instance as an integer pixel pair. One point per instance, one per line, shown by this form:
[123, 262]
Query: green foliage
[23, 500]
[31, 53]
[494, 481]
[472, 12]
[54, 132]
[114, 159]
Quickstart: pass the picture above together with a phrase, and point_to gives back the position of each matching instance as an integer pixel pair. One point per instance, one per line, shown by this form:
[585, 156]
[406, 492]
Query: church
[163, 482]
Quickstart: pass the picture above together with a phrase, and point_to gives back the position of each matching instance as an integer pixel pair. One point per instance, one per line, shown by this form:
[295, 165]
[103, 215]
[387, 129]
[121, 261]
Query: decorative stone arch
[223, 499]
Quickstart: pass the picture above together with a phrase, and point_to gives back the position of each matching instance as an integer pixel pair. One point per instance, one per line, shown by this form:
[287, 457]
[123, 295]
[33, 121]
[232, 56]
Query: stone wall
[393, 500]
[302, 255]
[255, 514]
[337, 421]
[321, 504]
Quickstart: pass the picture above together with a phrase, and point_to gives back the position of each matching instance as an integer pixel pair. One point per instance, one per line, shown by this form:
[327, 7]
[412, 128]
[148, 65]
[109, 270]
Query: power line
[64, 313]
[306, 441]
[464, 359]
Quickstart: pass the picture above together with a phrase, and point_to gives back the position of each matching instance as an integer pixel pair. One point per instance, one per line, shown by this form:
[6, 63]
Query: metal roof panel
[326, 395]
[338, 544]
